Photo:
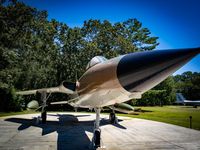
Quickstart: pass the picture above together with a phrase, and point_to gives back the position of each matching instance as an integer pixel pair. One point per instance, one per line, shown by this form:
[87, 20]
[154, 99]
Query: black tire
[44, 117]
[112, 118]
[97, 138]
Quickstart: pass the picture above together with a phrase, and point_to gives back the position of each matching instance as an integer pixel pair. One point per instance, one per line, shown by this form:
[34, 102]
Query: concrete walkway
[73, 131]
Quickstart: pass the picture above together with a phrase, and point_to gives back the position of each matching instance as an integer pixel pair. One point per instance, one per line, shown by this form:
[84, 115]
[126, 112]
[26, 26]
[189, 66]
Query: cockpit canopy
[95, 60]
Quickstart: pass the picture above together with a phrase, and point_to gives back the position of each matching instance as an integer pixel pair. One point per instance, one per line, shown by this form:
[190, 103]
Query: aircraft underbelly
[101, 98]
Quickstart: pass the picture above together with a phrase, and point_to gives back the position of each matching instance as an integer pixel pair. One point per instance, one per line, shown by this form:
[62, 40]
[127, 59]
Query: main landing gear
[113, 118]
[44, 105]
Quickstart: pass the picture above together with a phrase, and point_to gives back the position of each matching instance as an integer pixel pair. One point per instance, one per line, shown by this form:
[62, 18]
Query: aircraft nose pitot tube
[139, 72]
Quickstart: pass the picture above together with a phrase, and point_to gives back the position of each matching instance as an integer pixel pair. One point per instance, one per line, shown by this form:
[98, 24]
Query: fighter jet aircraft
[117, 80]
[180, 99]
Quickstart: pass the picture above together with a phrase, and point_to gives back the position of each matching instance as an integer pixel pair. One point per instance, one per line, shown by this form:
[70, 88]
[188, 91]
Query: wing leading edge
[63, 88]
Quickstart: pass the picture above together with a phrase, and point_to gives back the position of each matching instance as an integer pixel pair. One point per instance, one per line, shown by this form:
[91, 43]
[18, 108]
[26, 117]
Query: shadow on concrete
[106, 121]
[71, 132]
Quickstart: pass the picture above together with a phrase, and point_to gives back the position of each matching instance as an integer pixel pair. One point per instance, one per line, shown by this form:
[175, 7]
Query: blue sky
[175, 22]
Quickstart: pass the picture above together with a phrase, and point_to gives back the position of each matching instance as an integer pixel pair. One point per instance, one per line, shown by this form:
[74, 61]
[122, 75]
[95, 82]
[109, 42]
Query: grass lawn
[3, 114]
[178, 115]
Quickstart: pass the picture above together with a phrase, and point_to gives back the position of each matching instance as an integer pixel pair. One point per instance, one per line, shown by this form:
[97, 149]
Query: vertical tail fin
[180, 98]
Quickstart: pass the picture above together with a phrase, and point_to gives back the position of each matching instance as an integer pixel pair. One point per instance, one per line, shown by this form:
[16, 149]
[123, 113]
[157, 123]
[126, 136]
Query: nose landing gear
[96, 140]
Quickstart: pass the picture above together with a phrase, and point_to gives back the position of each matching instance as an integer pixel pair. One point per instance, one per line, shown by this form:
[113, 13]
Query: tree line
[36, 52]
[188, 83]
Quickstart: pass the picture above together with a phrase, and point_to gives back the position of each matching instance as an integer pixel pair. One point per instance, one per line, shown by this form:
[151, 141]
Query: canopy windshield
[95, 60]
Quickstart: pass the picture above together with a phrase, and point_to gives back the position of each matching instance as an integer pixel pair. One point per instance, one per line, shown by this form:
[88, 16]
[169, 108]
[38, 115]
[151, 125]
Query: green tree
[162, 94]
[168, 85]
[188, 83]
[152, 98]
[119, 38]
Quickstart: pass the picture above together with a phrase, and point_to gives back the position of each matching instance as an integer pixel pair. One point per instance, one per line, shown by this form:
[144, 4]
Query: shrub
[9, 101]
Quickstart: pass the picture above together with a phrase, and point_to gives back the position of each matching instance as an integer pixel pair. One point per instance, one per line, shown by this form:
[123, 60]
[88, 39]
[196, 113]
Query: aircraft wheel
[97, 138]
[44, 117]
[112, 117]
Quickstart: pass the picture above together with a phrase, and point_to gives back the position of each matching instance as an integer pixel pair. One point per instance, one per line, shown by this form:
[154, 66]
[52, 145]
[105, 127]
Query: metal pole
[190, 122]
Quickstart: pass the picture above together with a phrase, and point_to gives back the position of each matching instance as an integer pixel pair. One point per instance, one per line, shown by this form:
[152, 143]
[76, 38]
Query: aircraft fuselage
[127, 77]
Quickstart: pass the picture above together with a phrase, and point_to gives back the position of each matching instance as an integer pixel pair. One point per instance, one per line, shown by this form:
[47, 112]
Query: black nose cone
[151, 67]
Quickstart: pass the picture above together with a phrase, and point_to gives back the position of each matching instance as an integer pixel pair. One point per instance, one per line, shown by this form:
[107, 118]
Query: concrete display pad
[73, 131]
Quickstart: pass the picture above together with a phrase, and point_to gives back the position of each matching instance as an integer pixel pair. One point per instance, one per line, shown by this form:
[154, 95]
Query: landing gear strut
[44, 105]
[96, 141]
[113, 118]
